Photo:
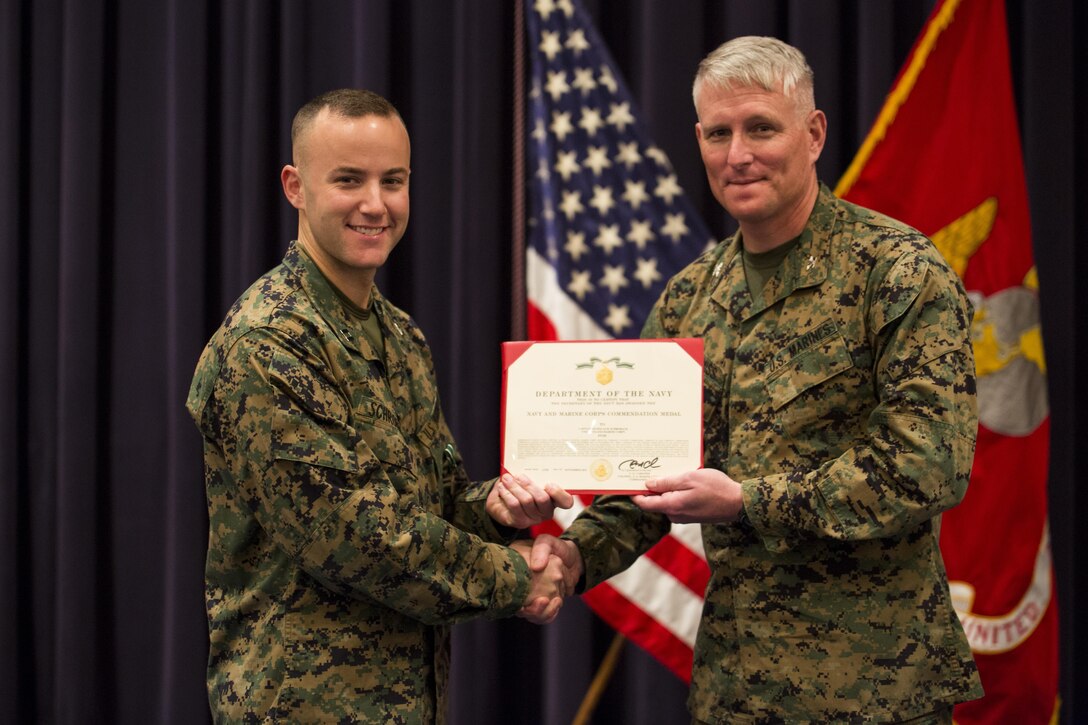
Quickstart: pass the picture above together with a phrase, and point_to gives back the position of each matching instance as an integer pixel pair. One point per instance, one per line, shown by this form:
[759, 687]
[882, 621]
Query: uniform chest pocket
[386, 443]
[810, 367]
[816, 397]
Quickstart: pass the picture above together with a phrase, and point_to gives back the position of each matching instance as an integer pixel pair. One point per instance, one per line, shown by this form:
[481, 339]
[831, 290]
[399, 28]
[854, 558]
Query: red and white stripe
[658, 601]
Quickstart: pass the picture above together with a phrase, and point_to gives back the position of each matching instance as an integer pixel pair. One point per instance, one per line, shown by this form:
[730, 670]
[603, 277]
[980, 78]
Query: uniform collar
[341, 314]
[806, 265]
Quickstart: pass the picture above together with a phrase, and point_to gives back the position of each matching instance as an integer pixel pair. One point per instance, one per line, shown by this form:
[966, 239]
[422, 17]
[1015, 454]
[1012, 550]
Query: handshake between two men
[701, 496]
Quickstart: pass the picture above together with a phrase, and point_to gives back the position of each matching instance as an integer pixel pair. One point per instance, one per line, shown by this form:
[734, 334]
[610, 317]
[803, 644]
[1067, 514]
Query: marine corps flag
[944, 156]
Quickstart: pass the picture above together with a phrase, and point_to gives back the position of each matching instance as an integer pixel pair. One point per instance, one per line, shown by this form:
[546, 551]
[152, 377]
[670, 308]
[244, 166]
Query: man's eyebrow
[360, 172]
[745, 120]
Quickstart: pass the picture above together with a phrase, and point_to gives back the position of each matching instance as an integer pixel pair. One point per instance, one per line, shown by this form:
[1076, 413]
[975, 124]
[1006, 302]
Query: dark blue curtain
[140, 143]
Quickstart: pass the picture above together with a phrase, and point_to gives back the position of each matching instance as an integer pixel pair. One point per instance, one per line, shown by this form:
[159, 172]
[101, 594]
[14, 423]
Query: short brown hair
[346, 102]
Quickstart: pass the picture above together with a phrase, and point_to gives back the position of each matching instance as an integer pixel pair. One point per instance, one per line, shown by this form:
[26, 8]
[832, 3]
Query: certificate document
[602, 416]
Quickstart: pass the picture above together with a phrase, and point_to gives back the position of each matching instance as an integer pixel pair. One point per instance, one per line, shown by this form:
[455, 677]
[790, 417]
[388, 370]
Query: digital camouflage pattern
[339, 513]
[843, 400]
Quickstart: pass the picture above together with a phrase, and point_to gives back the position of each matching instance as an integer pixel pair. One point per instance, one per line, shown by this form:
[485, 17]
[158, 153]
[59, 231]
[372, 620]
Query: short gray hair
[760, 62]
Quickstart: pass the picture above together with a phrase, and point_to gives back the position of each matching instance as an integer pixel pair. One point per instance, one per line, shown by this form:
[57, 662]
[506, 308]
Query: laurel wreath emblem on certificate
[604, 374]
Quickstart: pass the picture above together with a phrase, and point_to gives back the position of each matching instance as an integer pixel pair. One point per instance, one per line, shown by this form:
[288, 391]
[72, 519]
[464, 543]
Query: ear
[291, 180]
[817, 133]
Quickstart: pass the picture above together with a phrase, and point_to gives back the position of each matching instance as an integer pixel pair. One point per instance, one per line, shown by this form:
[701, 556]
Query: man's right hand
[548, 549]
[546, 546]
[557, 566]
[548, 587]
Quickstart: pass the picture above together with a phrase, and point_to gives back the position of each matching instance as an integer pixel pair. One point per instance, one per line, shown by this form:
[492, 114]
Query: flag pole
[600, 681]
[517, 236]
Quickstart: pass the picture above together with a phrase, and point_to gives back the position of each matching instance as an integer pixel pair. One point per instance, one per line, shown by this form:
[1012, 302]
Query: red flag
[944, 156]
[609, 226]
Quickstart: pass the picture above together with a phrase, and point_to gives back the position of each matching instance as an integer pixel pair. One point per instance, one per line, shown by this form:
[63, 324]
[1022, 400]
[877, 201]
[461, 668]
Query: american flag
[609, 226]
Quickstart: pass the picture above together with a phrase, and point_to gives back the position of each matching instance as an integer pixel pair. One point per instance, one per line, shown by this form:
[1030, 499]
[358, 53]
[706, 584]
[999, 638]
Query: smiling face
[350, 186]
[760, 153]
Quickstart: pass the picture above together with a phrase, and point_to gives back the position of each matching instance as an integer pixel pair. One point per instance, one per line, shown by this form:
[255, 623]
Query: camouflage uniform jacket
[339, 512]
[843, 401]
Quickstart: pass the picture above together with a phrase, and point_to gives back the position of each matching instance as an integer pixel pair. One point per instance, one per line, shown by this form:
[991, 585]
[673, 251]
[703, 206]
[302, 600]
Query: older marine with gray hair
[839, 423]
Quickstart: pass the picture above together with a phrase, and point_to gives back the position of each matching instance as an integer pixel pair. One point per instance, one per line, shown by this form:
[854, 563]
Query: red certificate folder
[602, 416]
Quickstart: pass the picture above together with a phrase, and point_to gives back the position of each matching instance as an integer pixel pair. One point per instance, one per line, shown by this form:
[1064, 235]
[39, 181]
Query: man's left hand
[518, 502]
[704, 496]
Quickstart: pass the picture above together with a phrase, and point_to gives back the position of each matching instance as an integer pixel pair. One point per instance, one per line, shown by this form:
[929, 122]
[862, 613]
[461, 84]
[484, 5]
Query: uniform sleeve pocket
[898, 291]
[300, 438]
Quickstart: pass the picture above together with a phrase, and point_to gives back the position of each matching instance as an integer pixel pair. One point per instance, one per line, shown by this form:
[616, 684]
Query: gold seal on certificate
[602, 416]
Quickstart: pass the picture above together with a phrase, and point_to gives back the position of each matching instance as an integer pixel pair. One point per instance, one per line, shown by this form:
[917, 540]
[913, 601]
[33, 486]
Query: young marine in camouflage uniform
[839, 422]
[344, 533]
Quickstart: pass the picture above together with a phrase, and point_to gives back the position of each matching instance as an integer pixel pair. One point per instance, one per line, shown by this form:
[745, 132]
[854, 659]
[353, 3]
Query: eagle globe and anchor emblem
[1012, 401]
